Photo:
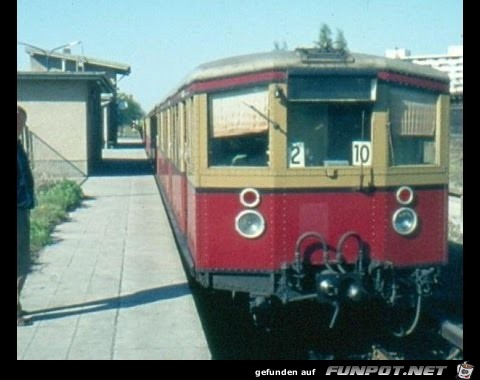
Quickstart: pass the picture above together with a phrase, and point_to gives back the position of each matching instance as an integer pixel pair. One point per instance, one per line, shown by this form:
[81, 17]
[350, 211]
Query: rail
[453, 333]
[456, 194]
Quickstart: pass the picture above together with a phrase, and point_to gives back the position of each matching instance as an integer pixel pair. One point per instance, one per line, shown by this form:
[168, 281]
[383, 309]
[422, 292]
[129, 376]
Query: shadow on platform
[122, 167]
[121, 302]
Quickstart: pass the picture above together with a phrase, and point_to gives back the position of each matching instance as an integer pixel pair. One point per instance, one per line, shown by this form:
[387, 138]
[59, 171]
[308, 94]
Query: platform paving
[112, 285]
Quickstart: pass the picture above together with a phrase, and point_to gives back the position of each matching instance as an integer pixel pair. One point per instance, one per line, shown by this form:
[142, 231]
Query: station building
[71, 101]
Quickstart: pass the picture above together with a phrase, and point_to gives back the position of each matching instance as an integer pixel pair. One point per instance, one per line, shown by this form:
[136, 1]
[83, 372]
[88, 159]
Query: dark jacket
[25, 192]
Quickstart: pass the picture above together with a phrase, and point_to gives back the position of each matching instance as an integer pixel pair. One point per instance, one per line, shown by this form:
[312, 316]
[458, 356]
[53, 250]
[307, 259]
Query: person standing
[25, 202]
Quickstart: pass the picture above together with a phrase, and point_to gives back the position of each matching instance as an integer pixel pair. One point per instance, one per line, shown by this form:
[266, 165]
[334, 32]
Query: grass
[54, 201]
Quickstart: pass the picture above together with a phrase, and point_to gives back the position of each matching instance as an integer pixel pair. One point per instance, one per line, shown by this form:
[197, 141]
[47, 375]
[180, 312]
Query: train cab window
[324, 134]
[413, 116]
[238, 128]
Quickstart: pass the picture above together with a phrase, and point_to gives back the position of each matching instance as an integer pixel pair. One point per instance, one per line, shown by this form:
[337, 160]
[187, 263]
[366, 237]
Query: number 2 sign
[362, 153]
[297, 155]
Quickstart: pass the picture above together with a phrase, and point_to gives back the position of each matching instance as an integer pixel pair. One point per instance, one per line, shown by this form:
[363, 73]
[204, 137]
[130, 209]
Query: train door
[163, 144]
[170, 143]
[153, 140]
[182, 166]
[189, 161]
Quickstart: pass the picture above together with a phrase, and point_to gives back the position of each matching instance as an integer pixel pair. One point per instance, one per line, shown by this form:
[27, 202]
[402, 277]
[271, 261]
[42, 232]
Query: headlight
[405, 221]
[250, 224]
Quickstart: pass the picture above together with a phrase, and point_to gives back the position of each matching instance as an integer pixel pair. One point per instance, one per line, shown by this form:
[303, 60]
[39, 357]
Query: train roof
[298, 59]
[305, 59]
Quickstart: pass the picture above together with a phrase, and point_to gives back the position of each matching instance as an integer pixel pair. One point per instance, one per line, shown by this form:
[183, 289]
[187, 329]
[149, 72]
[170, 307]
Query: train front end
[321, 178]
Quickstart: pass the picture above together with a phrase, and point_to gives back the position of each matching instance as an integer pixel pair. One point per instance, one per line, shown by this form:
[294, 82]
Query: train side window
[238, 129]
[247, 150]
[322, 134]
[413, 115]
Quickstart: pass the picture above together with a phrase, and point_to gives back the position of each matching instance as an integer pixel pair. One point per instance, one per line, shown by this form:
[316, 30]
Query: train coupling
[334, 286]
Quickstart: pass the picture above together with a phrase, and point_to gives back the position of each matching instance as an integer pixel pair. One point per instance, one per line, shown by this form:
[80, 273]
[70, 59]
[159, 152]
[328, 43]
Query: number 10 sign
[361, 153]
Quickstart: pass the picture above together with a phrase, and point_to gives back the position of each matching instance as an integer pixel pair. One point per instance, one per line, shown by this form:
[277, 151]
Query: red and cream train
[308, 174]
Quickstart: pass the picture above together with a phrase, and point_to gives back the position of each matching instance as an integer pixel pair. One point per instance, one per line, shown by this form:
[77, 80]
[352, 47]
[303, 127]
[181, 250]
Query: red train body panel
[288, 215]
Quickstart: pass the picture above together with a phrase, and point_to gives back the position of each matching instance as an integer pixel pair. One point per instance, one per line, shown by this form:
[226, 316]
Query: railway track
[449, 347]
[453, 333]
[439, 335]
[444, 343]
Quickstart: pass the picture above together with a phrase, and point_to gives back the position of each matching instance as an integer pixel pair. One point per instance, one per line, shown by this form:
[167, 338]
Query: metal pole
[71, 44]
[33, 47]
[105, 126]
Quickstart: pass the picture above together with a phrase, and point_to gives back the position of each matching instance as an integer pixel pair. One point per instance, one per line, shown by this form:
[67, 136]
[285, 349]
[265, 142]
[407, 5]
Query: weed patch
[54, 201]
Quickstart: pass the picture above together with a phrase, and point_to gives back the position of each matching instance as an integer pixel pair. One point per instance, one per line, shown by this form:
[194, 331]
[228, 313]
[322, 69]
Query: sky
[164, 40]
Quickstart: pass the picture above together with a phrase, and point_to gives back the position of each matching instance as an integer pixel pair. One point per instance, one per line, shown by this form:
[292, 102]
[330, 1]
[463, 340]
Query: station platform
[112, 286]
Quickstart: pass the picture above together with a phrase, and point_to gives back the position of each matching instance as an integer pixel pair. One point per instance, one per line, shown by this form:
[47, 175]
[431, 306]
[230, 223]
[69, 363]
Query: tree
[325, 38]
[325, 43]
[340, 42]
[133, 112]
[278, 47]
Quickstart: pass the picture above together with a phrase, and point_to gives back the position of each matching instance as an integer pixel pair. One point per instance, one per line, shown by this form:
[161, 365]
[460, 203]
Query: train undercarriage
[335, 283]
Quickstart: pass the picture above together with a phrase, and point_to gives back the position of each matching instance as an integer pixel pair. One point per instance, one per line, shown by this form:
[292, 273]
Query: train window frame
[313, 148]
[247, 143]
[412, 144]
